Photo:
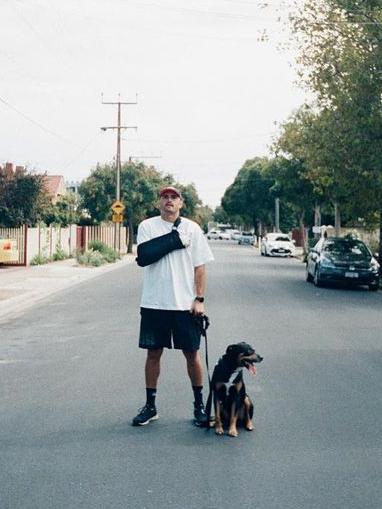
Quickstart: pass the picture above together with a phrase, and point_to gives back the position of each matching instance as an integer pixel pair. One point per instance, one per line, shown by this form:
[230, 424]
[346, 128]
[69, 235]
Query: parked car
[337, 259]
[213, 234]
[224, 236]
[277, 244]
[218, 234]
[246, 238]
[235, 234]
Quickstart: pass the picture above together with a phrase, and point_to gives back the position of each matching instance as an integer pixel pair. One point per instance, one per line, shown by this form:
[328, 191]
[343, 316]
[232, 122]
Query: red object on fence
[81, 237]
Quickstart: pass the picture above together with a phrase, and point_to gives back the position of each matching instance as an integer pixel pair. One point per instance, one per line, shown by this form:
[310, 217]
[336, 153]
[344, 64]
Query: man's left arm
[200, 276]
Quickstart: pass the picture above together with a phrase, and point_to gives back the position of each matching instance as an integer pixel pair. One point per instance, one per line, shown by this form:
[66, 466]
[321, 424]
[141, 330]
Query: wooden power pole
[118, 127]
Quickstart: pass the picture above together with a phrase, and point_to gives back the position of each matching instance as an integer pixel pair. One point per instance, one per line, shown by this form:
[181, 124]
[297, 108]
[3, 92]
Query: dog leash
[203, 323]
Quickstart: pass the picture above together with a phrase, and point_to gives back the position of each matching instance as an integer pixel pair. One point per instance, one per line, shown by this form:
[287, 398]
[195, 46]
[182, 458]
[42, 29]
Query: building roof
[54, 184]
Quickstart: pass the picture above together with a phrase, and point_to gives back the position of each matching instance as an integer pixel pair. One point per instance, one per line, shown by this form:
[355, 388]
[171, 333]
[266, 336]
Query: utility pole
[118, 127]
[277, 214]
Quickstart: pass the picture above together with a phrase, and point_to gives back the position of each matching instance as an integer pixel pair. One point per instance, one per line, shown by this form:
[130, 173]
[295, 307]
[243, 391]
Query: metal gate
[13, 246]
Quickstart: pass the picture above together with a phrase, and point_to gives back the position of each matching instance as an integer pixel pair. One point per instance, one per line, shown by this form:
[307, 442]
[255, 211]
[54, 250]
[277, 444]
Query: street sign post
[117, 218]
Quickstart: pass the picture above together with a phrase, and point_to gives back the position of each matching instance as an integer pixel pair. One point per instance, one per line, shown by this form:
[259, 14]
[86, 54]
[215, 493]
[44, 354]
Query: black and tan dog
[233, 407]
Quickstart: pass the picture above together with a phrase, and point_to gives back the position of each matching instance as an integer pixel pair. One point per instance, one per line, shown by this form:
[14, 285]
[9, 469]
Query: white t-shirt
[169, 282]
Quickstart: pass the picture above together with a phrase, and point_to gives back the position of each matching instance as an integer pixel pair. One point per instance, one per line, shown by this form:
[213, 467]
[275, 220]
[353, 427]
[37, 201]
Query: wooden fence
[104, 233]
[24, 243]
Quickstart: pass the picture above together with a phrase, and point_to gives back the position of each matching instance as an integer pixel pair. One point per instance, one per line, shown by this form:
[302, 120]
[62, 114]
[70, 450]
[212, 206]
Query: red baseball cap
[170, 189]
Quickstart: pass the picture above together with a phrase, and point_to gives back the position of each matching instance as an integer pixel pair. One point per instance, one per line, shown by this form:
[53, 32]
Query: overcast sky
[209, 89]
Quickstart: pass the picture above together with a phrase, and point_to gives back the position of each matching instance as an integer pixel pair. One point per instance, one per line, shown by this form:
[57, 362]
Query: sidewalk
[22, 287]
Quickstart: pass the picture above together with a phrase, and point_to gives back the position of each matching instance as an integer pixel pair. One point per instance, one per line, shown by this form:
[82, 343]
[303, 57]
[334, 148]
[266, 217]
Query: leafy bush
[98, 254]
[40, 260]
[59, 254]
[110, 255]
[98, 245]
[94, 258]
[107, 252]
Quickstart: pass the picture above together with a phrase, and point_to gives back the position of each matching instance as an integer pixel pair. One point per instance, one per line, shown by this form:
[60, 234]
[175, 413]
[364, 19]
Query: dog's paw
[232, 432]
[219, 430]
[249, 426]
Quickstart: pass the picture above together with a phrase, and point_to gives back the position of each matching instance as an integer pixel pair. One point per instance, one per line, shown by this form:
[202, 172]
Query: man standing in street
[173, 294]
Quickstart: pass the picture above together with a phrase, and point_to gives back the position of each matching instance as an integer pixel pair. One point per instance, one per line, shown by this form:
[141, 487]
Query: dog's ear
[231, 350]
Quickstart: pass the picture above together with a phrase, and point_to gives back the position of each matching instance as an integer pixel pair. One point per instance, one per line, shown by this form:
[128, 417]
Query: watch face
[199, 299]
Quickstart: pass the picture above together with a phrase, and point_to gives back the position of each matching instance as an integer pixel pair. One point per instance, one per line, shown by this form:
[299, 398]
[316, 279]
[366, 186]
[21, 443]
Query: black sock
[198, 394]
[150, 396]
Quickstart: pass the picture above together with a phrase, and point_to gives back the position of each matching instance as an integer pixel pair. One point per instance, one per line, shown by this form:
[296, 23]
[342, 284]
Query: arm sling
[153, 250]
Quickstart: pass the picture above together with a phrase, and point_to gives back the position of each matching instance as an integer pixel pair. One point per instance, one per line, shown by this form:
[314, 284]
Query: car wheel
[374, 287]
[317, 280]
[309, 276]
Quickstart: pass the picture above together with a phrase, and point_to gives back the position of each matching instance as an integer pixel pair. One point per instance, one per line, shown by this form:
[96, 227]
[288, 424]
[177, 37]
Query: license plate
[351, 274]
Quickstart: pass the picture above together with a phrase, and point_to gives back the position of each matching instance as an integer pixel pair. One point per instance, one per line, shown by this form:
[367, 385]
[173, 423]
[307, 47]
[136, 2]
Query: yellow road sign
[117, 218]
[118, 207]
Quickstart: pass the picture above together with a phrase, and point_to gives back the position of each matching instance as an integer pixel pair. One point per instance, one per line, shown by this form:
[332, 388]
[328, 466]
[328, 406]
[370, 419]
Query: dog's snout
[260, 359]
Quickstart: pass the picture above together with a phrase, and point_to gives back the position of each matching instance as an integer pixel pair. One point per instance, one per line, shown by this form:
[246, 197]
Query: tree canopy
[23, 198]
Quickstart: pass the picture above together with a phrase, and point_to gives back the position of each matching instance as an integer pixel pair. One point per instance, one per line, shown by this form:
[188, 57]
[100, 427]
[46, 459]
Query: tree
[340, 44]
[220, 215]
[203, 215]
[293, 188]
[250, 196]
[191, 200]
[64, 212]
[139, 191]
[23, 198]
[316, 140]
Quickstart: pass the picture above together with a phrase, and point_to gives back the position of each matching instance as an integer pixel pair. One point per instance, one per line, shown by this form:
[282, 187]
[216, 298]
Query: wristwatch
[199, 299]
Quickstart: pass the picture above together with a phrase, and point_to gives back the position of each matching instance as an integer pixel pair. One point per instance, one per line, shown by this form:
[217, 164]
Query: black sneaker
[146, 414]
[200, 416]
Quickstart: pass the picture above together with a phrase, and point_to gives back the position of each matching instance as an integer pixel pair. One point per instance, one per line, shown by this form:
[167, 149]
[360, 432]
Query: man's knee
[154, 355]
[193, 358]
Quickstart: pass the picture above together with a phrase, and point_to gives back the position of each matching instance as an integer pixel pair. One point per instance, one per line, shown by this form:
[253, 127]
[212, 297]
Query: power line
[34, 122]
[79, 154]
[219, 140]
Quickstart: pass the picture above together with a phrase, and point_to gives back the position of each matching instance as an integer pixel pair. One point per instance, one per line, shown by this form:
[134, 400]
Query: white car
[277, 244]
[224, 236]
[213, 234]
[218, 234]
[235, 234]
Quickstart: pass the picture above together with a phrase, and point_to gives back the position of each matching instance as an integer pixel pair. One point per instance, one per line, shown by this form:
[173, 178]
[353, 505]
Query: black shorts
[159, 327]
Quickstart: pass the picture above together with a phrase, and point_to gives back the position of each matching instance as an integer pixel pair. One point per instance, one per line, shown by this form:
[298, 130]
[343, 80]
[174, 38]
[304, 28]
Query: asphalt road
[71, 379]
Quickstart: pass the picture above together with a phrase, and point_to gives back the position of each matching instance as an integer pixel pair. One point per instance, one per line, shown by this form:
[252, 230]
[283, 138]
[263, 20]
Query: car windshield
[344, 247]
[247, 234]
[282, 239]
